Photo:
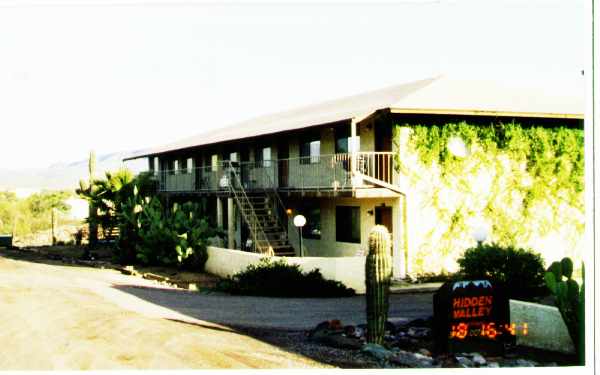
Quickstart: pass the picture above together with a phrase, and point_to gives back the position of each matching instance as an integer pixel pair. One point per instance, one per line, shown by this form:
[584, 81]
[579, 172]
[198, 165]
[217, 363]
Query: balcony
[314, 173]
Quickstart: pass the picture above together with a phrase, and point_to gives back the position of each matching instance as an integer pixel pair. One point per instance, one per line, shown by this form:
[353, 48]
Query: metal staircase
[260, 212]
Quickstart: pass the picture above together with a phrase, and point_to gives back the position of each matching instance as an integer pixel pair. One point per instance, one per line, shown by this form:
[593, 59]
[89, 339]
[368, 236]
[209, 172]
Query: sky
[124, 75]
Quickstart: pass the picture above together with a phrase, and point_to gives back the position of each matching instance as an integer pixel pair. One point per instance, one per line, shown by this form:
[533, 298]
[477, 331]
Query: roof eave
[477, 112]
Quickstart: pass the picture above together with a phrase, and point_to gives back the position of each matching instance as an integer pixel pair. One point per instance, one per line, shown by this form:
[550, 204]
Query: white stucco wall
[327, 246]
[348, 270]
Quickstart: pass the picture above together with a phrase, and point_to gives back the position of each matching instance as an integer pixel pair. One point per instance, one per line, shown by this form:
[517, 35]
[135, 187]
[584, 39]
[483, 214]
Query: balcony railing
[323, 172]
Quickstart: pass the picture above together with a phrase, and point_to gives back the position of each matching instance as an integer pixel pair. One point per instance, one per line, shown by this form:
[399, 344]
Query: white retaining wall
[348, 270]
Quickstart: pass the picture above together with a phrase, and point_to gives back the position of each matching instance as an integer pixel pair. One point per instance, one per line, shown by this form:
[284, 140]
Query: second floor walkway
[313, 173]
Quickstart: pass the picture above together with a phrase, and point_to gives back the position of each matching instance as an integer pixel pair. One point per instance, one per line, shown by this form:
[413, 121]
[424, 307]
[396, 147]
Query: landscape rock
[377, 351]
[390, 327]
[525, 363]
[464, 362]
[332, 333]
[493, 364]
[478, 359]
[425, 352]
[419, 332]
[409, 359]
[155, 277]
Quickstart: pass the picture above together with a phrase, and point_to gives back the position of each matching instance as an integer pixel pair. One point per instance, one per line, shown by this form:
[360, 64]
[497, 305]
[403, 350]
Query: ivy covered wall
[524, 183]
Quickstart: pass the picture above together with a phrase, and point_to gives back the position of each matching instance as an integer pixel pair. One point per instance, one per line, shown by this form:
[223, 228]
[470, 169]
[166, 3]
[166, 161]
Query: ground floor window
[312, 213]
[347, 224]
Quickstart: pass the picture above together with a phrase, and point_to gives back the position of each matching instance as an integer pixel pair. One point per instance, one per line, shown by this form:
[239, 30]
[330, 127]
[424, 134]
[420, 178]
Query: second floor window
[263, 157]
[310, 150]
[214, 162]
[343, 140]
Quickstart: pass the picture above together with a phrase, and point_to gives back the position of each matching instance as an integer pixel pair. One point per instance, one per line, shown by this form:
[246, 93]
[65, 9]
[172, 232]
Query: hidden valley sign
[473, 315]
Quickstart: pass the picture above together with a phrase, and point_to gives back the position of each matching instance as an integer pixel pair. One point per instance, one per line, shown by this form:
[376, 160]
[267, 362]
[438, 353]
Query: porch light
[299, 222]
[288, 212]
[457, 147]
[480, 233]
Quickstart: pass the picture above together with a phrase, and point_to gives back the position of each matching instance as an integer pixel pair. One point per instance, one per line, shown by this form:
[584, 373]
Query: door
[383, 216]
[282, 164]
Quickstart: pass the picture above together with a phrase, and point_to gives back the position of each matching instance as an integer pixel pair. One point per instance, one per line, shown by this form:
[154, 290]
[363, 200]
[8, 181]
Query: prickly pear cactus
[378, 275]
[570, 300]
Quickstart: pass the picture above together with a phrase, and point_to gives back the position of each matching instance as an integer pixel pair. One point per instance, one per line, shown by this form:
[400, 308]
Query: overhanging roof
[439, 95]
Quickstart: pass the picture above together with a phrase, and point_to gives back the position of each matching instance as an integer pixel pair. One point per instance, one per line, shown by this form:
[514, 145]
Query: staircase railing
[278, 207]
[259, 238]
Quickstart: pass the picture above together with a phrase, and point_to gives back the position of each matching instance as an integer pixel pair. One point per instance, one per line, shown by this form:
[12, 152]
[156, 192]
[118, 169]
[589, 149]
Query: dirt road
[56, 317]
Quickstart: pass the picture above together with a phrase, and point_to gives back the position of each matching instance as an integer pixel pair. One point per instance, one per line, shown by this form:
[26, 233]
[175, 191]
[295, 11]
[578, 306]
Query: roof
[438, 95]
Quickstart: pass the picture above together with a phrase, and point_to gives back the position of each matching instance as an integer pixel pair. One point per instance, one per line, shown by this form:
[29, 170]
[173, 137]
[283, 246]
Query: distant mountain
[66, 175]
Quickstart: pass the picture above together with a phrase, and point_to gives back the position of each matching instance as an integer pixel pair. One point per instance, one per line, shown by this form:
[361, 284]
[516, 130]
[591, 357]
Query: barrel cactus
[378, 275]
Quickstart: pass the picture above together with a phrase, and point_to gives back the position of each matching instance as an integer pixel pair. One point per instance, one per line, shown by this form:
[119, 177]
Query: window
[343, 140]
[233, 157]
[156, 164]
[189, 165]
[312, 212]
[265, 157]
[310, 149]
[347, 224]
[214, 162]
[175, 166]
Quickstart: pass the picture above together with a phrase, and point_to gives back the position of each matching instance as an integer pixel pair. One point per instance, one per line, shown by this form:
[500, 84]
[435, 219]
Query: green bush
[520, 271]
[279, 279]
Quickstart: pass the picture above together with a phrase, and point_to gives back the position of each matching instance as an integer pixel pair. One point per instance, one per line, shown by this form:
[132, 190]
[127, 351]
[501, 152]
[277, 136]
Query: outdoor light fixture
[288, 212]
[480, 233]
[370, 212]
[299, 222]
[457, 147]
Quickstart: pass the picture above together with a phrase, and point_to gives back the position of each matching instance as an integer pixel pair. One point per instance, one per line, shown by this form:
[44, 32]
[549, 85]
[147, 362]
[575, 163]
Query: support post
[230, 224]
[398, 252]
[353, 148]
[219, 213]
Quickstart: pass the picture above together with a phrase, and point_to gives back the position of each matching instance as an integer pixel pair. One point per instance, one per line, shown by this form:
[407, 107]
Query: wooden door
[383, 216]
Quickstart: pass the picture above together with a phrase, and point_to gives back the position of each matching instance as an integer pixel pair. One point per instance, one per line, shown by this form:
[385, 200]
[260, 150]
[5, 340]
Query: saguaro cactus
[93, 226]
[378, 275]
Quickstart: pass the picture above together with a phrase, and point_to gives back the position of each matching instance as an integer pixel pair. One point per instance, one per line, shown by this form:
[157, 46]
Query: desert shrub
[152, 235]
[520, 271]
[279, 279]
[431, 277]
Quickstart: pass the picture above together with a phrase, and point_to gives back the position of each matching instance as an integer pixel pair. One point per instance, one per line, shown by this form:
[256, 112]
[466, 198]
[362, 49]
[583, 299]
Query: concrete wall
[546, 327]
[348, 270]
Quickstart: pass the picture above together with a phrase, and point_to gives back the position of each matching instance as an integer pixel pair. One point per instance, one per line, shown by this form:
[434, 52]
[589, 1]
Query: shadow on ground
[283, 322]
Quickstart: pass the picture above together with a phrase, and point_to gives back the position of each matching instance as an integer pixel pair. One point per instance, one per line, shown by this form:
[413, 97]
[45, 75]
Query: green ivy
[553, 161]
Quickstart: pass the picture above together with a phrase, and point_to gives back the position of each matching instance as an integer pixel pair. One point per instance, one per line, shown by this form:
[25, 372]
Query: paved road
[285, 313]
[78, 318]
